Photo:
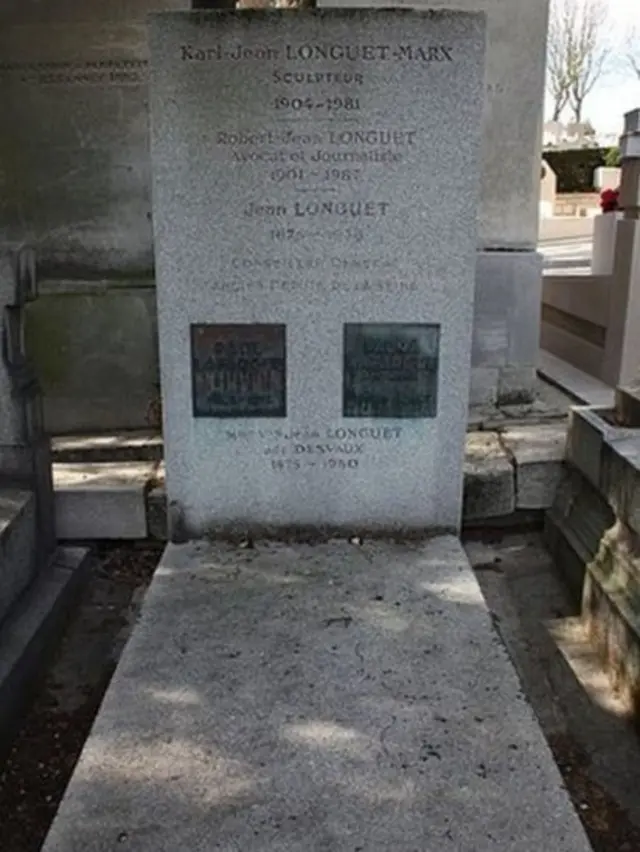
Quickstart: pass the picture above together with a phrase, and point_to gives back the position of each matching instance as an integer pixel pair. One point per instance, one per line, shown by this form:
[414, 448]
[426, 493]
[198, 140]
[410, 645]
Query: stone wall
[75, 183]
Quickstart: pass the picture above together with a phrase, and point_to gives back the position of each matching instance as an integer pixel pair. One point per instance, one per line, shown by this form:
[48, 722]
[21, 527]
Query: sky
[618, 91]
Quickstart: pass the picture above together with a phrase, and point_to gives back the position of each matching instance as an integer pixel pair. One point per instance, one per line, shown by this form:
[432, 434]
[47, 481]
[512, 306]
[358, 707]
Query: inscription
[303, 449]
[300, 209]
[390, 370]
[319, 52]
[85, 72]
[238, 370]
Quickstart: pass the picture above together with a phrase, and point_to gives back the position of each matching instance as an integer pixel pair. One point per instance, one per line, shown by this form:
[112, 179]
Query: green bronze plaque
[239, 370]
[391, 370]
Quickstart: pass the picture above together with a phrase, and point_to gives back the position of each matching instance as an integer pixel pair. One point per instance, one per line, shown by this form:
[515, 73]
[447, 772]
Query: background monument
[509, 271]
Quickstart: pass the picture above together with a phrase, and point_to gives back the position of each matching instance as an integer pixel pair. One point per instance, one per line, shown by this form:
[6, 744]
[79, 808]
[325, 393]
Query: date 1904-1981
[311, 104]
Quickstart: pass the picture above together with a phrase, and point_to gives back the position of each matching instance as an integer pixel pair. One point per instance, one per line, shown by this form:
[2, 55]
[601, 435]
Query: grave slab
[311, 698]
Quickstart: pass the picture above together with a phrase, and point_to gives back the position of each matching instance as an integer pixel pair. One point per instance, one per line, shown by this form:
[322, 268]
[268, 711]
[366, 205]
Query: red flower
[609, 200]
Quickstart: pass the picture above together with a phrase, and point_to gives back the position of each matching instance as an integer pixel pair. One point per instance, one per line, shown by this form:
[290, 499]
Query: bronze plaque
[239, 370]
[391, 370]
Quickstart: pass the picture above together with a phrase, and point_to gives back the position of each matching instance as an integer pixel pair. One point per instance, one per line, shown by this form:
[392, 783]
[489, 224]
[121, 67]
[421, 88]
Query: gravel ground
[38, 767]
[608, 826]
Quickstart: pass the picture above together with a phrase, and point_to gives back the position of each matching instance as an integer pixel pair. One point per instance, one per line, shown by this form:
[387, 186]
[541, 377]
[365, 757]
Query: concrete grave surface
[316, 697]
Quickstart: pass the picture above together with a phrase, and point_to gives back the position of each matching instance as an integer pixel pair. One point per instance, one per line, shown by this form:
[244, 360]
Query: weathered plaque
[390, 370]
[239, 370]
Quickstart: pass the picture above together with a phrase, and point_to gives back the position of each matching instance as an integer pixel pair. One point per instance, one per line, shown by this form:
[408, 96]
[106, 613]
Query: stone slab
[18, 553]
[316, 697]
[620, 478]
[88, 388]
[489, 487]
[575, 526]
[590, 428]
[611, 613]
[516, 53]
[538, 453]
[11, 430]
[102, 500]
[117, 446]
[29, 635]
[627, 406]
[585, 389]
[324, 463]
[506, 336]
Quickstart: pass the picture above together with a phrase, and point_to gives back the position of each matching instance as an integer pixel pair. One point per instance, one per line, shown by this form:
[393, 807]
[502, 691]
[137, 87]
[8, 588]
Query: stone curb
[30, 633]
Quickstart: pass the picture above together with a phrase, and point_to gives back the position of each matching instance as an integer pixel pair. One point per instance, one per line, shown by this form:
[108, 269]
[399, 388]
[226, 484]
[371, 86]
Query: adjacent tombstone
[548, 191]
[25, 464]
[315, 191]
[73, 85]
[622, 350]
[606, 177]
[75, 181]
[509, 270]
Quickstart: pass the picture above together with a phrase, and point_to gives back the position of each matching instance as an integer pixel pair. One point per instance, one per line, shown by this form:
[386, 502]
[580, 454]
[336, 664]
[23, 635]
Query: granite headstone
[315, 184]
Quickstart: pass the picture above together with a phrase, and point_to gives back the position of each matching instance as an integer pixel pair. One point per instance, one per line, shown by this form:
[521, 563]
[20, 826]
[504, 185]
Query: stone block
[574, 527]
[517, 385]
[484, 386]
[588, 431]
[157, 513]
[489, 487]
[90, 388]
[611, 611]
[627, 406]
[632, 121]
[102, 501]
[620, 478]
[507, 300]
[32, 632]
[538, 454]
[506, 331]
[18, 554]
[582, 513]
[570, 566]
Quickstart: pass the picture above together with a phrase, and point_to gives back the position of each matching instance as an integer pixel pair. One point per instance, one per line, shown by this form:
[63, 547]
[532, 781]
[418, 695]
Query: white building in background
[555, 134]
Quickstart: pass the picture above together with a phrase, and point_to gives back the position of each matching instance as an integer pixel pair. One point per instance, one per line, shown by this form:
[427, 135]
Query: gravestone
[315, 189]
[548, 190]
[75, 182]
[27, 531]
